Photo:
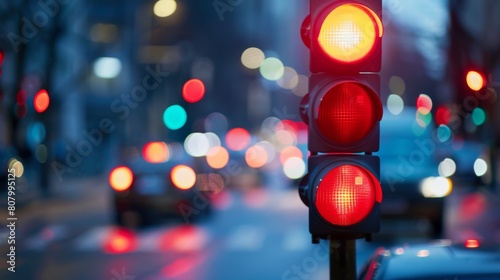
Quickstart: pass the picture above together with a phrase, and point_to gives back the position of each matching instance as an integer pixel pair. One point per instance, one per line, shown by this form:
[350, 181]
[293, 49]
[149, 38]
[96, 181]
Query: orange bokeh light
[237, 139]
[217, 157]
[289, 152]
[183, 177]
[41, 101]
[155, 152]
[121, 178]
[193, 90]
[256, 156]
[475, 80]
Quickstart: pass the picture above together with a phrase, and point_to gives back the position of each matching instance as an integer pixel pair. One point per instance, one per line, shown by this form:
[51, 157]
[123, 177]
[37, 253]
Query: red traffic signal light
[343, 114]
[344, 195]
[344, 36]
[347, 194]
[41, 101]
[343, 111]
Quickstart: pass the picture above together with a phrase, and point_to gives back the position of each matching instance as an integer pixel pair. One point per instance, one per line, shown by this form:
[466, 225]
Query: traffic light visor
[347, 195]
[348, 112]
[349, 33]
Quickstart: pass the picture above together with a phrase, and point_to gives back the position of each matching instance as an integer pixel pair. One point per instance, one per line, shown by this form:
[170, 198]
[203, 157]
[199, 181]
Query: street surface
[260, 234]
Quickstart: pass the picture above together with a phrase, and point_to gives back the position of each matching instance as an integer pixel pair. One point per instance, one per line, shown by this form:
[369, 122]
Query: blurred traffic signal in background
[343, 111]
[475, 80]
[41, 101]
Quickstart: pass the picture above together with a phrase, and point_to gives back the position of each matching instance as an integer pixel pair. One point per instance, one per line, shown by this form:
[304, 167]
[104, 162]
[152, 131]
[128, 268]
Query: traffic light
[475, 80]
[343, 111]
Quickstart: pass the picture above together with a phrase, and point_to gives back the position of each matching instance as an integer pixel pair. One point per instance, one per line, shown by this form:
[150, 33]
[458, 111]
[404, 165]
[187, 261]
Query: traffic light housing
[343, 111]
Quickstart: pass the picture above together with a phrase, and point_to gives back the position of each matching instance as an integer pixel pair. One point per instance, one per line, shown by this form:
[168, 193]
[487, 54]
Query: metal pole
[342, 260]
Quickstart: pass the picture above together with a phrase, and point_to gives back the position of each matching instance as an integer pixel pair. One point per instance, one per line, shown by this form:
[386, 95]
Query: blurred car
[468, 261]
[157, 186]
[412, 187]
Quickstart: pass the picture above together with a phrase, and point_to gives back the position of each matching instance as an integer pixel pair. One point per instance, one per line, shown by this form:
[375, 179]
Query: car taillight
[121, 178]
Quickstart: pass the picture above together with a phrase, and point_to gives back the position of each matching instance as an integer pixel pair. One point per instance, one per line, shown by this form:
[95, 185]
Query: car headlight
[435, 187]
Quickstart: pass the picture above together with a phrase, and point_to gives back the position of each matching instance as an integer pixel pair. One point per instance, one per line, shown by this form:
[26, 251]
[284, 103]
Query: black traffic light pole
[342, 259]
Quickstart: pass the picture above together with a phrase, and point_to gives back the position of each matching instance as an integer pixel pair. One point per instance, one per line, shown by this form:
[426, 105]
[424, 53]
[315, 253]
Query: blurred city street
[249, 139]
[73, 238]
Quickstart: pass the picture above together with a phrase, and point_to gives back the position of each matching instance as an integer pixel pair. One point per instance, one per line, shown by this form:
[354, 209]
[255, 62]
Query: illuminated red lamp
[193, 90]
[41, 101]
[155, 152]
[344, 116]
[2, 56]
[347, 195]
[348, 112]
[121, 178]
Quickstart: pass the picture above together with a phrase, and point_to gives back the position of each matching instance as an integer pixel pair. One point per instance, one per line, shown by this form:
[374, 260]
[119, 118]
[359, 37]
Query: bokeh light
[252, 58]
[41, 153]
[294, 168]
[424, 104]
[107, 67]
[183, 177]
[213, 139]
[397, 85]
[155, 152]
[290, 79]
[272, 69]
[447, 168]
[475, 80]
[256, 156]
[478, 116]
[35, 134]
[289, 152]
[217, 123]
[164, 8]
[444, 133]
[237, 139]
[480, 167]
[395, 104]
[423, 119]
[121, 178]
[193, 90]
[217, 157]
[174, 117]
[443, 115]
[302, 87]
[119, 241]
[197, 144]
[41, 101]
[18, 168]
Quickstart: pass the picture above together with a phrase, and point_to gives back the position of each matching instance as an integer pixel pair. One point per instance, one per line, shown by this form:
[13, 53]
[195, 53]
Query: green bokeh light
[444, 133]
[478, 116]
[174, 117]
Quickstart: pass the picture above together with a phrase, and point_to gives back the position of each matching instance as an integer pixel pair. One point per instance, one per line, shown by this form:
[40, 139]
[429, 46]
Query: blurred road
[265, 231]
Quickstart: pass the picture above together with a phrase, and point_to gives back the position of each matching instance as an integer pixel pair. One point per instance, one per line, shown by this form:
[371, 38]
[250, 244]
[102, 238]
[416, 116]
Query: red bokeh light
[443, 115]
[120, 241]
[471, 243]
[237, 139]
[193, 90]
[41, 101]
